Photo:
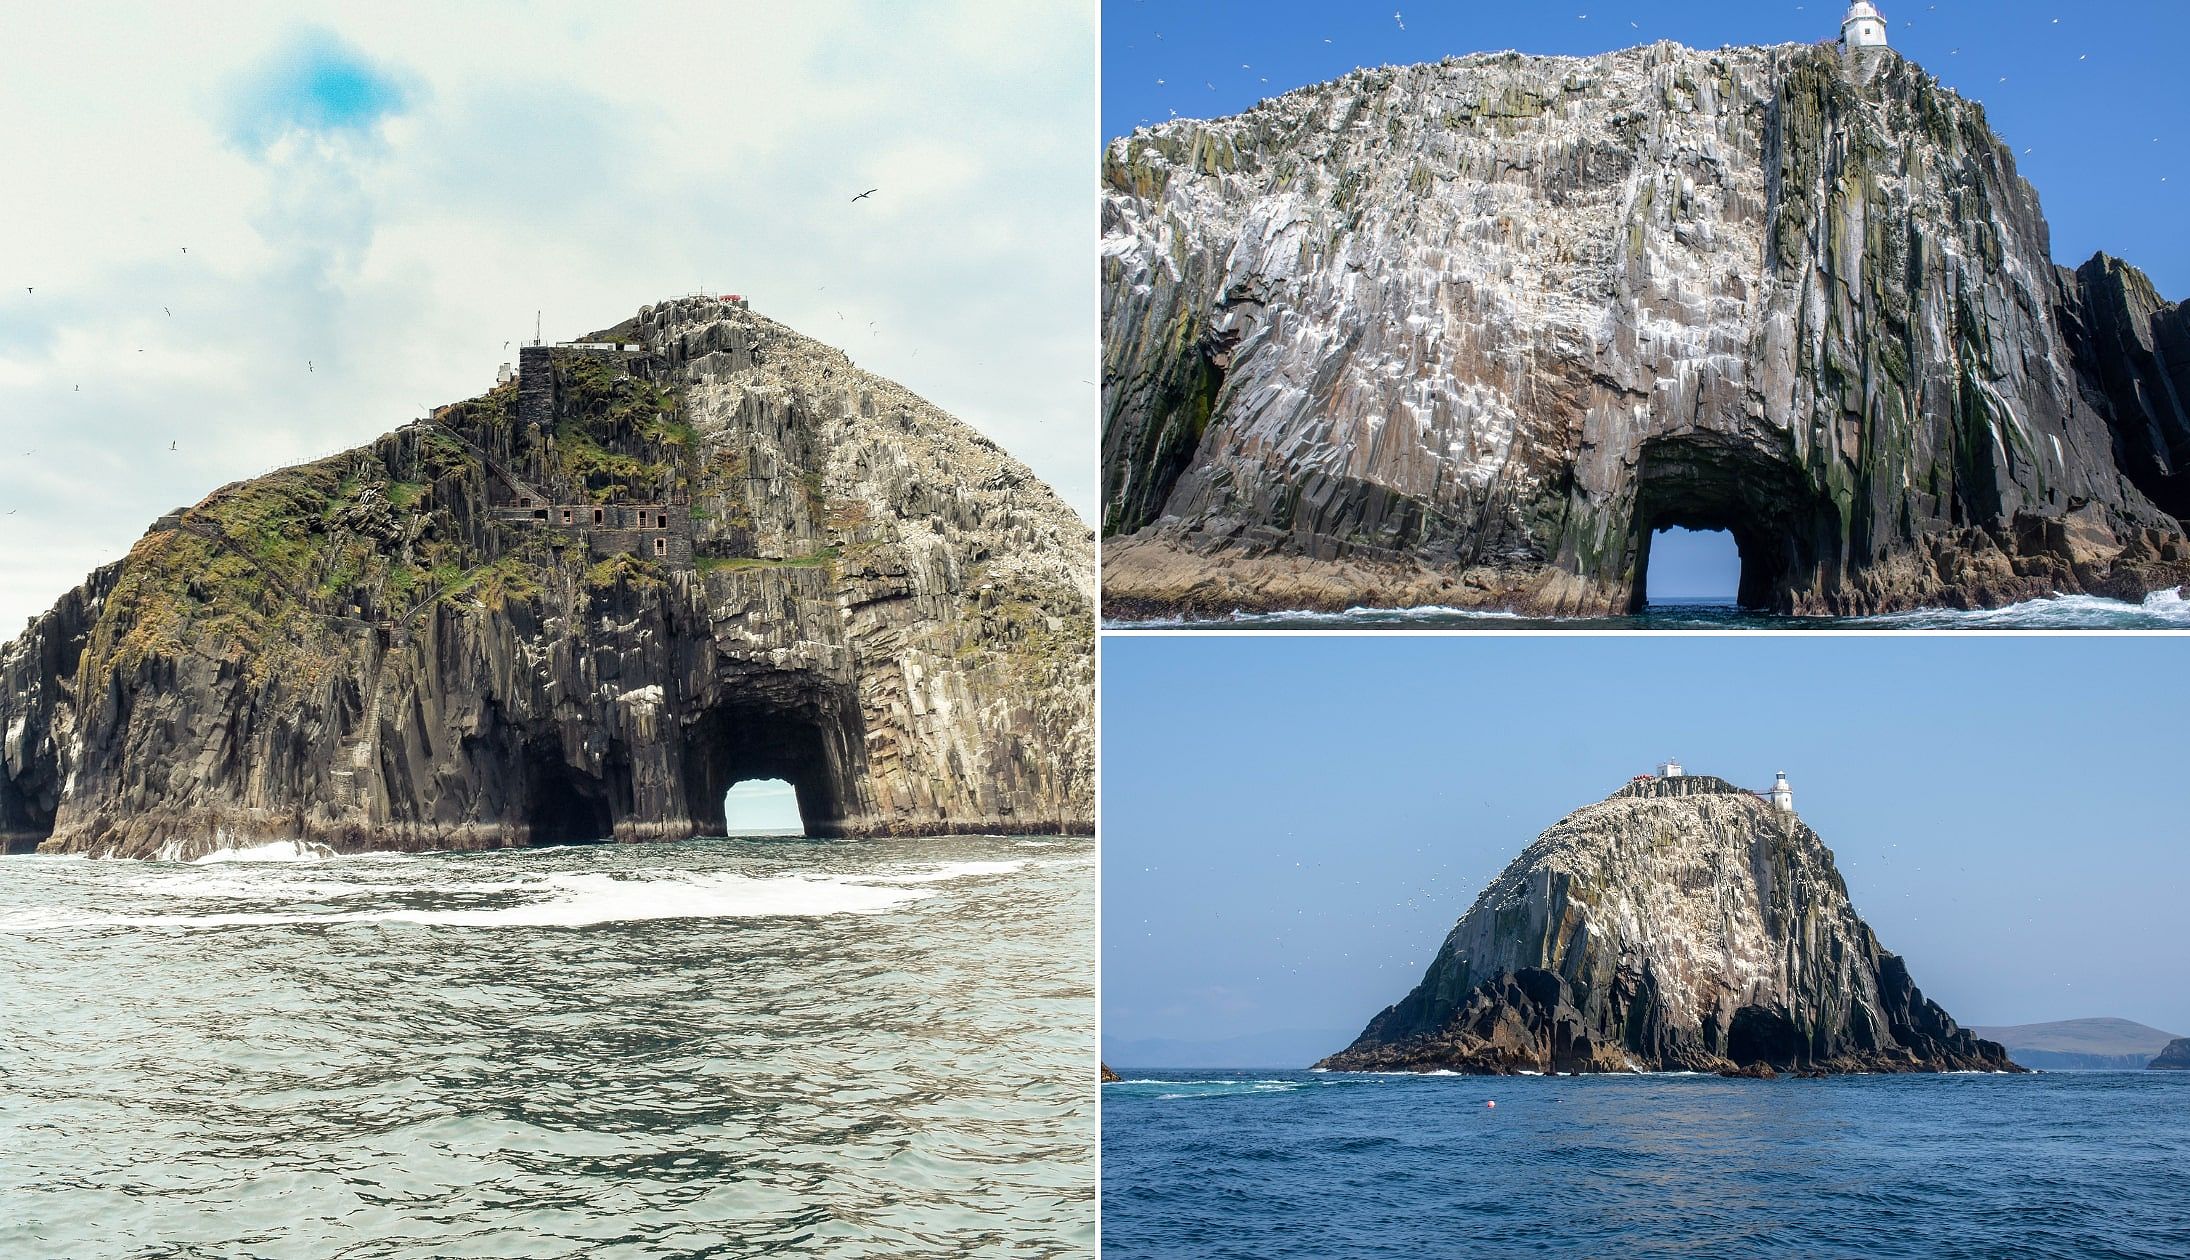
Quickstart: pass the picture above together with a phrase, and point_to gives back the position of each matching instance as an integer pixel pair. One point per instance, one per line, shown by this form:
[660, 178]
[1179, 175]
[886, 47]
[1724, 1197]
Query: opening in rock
[793, 728]
[1761, 1035]
[1782, 530]
[1693, 566]
[564, 805]
[761, 807]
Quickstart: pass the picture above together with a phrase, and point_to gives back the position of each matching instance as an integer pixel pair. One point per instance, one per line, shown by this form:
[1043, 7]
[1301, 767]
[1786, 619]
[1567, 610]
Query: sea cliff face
[1681, 924]
[1469, 333]
[2176, 1057]
[580, 606]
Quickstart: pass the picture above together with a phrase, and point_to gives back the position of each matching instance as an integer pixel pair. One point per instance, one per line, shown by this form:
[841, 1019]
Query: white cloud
[577, 160]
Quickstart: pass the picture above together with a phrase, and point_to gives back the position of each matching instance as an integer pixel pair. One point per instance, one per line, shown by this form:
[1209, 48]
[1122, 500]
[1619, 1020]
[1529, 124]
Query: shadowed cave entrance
[563, 804]
[1781, 529]
[796, 730]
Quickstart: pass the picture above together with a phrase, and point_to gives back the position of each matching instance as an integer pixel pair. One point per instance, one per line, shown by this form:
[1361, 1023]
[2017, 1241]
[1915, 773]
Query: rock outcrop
[581, 606]
[1470, 333]
[2176, 1057]
[1680, 924]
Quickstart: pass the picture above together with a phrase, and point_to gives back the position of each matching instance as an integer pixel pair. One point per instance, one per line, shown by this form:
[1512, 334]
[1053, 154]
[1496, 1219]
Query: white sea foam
[2160, 609]
[944, 873]
[271, 851]
[558, 900]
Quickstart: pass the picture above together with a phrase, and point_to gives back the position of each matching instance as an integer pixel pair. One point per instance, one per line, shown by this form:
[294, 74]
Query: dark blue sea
[1272, 1165]
[2161, 610]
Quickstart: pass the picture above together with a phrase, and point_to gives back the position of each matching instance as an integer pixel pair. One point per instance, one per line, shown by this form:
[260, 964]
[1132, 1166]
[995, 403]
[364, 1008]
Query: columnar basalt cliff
[1681, 923]
[1470, 333]
[726, 554]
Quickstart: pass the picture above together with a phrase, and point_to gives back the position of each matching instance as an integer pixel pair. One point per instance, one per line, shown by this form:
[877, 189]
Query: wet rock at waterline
[1468, 334]
[702, 550]
[1680, 924]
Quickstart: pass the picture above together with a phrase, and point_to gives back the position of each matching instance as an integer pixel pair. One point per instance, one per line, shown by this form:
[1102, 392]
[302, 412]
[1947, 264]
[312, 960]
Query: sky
[246, 236]
[1693, 564]
[761, 805]
[2092, 90]
[1292, 824]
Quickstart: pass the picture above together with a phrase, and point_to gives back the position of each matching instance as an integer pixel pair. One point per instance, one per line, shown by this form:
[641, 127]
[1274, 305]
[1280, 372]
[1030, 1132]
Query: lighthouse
[1864, 27]
[1783, 796]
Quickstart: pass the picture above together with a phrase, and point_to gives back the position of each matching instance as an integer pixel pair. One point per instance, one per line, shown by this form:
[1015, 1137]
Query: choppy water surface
[719, 1048]
[2162, 610]
[1298, 1164]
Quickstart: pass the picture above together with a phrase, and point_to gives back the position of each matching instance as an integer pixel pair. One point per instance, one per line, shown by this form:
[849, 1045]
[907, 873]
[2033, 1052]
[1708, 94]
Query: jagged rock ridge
[1680, 924]
[2174, 1057]
[774, 566]
[1470, 333]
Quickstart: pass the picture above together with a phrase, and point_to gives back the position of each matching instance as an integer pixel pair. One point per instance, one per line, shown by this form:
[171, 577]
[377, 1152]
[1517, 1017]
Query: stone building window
[539, 514]
[662, 521]
[600, 516]
[661, 546]
[566, 516]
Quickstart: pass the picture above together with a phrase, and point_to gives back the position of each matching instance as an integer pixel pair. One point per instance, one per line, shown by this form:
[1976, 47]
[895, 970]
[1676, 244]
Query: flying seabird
[869, 193]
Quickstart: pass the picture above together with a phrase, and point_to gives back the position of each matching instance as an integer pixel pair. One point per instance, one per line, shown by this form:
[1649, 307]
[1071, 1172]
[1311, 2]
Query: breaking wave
[2161, 610]
[466, 894]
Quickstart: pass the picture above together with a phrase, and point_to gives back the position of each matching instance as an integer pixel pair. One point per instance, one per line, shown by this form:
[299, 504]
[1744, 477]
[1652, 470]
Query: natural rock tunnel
[1786, 533]
[806, 734]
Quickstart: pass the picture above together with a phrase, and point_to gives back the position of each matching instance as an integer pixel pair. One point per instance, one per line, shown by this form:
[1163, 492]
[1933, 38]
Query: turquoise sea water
[1274, 1165]
[2163, 610]
[719, 1048]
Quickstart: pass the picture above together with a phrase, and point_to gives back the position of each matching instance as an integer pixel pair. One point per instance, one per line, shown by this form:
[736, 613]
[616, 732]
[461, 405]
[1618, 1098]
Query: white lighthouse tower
[1783, 796]
[1864, 27]
[1670, 768]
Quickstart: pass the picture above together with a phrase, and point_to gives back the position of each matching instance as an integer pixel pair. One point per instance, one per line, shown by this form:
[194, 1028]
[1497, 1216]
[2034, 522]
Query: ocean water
[2161, 610]
[1274, 1165]
[717, 1048]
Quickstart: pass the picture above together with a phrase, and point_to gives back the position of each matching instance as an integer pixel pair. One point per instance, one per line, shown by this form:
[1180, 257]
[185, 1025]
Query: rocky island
[693, 549]
[1470, 333]
[2174, 1057]
[1683, 923]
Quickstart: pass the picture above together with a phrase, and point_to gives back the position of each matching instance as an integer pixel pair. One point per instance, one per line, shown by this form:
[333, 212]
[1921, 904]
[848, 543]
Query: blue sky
[316, 82]
[240, 241]
[1693, 563]
[2093, 90]
[1291, 825]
